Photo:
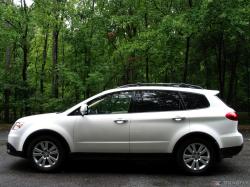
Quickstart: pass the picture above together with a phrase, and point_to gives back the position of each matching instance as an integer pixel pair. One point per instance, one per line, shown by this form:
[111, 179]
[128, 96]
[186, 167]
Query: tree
[55, 52]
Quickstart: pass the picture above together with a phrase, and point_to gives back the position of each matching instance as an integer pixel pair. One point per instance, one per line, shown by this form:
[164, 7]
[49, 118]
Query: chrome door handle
[178, 119]
[120, 121]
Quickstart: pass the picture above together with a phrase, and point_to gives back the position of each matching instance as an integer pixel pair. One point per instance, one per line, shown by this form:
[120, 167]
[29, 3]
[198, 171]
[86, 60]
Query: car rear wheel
[196, 156]
[46, 153]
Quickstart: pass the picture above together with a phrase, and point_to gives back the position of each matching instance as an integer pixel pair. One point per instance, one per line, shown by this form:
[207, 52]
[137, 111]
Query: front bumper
[12, 151]
[229, 152]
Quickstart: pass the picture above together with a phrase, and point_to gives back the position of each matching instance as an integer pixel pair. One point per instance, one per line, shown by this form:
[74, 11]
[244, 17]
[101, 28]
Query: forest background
[56, 53]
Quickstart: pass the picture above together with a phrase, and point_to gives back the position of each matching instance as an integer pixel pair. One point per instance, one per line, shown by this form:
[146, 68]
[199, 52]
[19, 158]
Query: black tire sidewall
[60, 149]
[181, 163]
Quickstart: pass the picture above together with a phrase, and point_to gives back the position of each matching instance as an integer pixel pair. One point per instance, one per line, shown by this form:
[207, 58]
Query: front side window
[156, 101]
[194, 101]
[115, 103]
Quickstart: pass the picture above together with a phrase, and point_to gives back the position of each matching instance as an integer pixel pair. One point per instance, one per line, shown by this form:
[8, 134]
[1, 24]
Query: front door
[106, 126]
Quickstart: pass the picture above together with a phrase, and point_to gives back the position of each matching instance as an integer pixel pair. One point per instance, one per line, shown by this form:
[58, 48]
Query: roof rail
[183, 85]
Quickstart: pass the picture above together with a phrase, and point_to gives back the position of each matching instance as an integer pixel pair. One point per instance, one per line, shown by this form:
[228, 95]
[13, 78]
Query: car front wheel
[46, 153]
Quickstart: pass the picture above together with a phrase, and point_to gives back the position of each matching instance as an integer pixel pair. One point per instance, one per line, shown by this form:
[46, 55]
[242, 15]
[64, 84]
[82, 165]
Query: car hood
[39, 118]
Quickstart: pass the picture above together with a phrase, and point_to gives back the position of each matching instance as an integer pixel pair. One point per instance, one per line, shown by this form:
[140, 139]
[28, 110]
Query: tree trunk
[6, 92]
[186, 59]
[36, 81]
[185, 71]
[25, 44]
[88, 55]
[63, 60]
[248, 80]
[190, 3]
[24, 70]
[147, 58]
[221, 65]
[147, 76]
[87, 64]
[25, 54]
[75, 68]
[208, 72]
[207, 69]
[55, 63]
[232, 79]
[44, 60]
[25, 48]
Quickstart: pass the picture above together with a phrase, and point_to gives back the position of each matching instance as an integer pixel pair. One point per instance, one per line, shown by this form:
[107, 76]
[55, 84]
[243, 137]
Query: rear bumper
[229, 152]
[12, 151]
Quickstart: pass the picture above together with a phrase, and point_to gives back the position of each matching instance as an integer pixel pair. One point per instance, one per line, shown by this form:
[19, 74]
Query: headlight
[17, 126]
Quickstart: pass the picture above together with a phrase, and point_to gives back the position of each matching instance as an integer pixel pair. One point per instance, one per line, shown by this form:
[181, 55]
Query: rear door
[156, 116]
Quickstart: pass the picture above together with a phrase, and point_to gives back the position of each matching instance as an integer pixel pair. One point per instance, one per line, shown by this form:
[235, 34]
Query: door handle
[178, 119]
[120, 121]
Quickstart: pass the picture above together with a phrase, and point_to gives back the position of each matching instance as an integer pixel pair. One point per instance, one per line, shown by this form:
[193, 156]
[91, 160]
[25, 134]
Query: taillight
[232, 116]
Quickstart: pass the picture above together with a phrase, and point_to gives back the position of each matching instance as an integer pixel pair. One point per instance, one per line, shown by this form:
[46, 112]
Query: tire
[46, 153]
[196, 156]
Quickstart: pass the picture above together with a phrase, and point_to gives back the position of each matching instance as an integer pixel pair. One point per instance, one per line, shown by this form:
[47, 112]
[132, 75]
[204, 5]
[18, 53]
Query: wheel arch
[48, 133]
[200, 135]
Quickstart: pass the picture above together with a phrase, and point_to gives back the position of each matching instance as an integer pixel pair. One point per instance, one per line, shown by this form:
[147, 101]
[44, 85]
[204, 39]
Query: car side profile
[184, 121]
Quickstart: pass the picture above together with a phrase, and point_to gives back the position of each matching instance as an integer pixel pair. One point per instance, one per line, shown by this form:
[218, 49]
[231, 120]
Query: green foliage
[103, 44]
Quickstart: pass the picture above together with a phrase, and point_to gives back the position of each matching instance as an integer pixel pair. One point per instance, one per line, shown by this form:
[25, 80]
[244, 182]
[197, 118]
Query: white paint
[151, 132]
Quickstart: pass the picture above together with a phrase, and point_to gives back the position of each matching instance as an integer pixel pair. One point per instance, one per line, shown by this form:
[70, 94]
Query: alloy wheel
[196, 156]
[45, 154]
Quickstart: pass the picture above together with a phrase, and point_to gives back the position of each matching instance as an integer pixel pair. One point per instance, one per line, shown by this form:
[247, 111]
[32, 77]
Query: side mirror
[84, 109]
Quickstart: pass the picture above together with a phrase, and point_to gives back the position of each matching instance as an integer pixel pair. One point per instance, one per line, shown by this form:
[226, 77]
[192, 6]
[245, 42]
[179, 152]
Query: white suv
[182, 120]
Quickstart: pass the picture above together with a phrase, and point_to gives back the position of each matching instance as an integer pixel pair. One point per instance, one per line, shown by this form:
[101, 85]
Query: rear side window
[156, 101]
[194, 101]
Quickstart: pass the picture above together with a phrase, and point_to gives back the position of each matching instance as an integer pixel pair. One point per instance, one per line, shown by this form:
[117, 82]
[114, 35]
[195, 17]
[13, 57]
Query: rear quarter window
[194, 100]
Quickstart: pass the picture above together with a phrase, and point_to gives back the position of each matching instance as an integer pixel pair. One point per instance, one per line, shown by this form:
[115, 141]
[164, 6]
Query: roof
[165, 86]
[183, 85]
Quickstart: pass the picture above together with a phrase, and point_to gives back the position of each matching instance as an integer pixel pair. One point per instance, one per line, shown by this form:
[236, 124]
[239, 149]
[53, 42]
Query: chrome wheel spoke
[197, 166]
[203, 151]
[206, 158]
[188, 160]
[37, 154]
[193, 164]
[37, 150]
[185, 156]
[203, 161]
[201, 148]
[193, 147]
[40, 160]
[50, 162]
[190, 149]
[52, 158]
[196, 156]
[53, 152]
[52, 148]
[45, 154]
[46, 145]
[43, 163]
[42, 145]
